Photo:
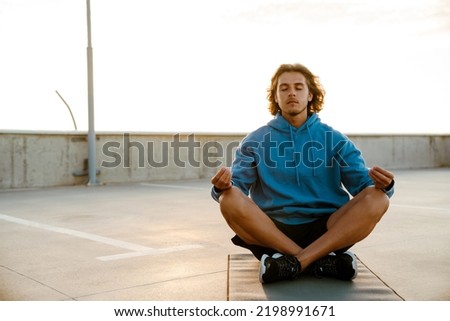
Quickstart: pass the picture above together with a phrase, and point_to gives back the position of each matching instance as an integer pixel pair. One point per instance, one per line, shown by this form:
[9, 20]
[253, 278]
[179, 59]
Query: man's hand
[222, 180]
[381, 177]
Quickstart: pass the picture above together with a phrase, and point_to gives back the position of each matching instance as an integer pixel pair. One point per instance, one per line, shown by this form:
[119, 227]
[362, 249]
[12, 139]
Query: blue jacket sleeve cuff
[390, 189]
[215, 193]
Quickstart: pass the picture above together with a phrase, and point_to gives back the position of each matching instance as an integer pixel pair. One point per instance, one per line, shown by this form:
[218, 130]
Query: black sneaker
[278, 267]
[343, 266]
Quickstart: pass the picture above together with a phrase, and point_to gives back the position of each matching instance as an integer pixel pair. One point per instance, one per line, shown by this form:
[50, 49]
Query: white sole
[262, 267]
[354, 263]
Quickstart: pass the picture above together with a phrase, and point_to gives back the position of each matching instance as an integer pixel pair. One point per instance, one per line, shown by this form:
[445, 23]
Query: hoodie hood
[281, 124]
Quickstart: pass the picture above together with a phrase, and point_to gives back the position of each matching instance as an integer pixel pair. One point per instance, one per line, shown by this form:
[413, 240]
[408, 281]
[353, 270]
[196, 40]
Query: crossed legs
[348, 225]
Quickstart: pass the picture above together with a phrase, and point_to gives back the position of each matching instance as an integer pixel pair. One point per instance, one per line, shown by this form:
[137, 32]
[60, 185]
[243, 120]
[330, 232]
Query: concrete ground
[168, 241]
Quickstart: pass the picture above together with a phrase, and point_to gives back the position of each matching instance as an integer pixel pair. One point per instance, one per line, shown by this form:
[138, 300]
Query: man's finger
[218, 176]
[222, 178]
[383, 171]
[381, 177]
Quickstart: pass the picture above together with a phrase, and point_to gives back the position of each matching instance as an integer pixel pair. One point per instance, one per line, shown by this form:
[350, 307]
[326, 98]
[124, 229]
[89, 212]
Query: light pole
[92, 171]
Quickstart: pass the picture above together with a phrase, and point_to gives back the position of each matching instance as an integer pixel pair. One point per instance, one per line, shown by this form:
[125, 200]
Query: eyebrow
[295, 84]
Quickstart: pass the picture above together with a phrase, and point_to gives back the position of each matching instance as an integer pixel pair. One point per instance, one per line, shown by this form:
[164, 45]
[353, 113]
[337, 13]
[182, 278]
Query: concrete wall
[36, 159]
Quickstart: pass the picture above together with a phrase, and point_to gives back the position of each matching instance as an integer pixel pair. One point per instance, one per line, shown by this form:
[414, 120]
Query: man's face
[292, 95]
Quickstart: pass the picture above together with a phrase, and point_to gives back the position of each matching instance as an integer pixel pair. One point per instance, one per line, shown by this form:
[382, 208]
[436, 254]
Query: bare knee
[376, 201]
[233, 203]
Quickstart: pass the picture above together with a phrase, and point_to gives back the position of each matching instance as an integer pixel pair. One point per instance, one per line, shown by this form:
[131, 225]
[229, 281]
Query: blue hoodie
[296, 175]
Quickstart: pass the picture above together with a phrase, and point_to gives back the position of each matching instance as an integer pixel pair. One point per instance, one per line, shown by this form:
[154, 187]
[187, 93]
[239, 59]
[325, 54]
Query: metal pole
[92, 171]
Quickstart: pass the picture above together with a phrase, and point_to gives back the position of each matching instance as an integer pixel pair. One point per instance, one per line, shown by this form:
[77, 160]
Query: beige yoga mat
[243, 285]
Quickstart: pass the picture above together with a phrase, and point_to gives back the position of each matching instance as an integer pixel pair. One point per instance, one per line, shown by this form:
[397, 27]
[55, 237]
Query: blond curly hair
[312, 81]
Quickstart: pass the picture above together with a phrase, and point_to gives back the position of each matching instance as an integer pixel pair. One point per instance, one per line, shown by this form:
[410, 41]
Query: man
[287, 194]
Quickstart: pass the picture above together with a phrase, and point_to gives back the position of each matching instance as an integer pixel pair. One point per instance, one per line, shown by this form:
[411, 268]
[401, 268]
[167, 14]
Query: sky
[205, 65]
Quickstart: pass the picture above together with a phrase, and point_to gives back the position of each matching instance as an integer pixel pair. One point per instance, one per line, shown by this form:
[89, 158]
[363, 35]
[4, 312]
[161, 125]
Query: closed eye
[284, 87]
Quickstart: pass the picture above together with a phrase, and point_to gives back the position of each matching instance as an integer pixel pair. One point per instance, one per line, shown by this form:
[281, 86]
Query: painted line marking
[176, 186]
[136, 249]
[422, 207]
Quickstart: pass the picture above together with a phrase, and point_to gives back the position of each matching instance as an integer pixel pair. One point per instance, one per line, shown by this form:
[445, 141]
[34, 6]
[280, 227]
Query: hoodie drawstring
[313, 150]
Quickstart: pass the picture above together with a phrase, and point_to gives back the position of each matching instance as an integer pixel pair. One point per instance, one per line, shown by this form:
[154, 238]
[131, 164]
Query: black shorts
[302, 234]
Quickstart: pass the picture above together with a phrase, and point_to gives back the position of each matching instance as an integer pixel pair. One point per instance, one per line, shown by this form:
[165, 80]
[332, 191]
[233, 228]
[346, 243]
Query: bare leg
[252, 225]
[347, 226]
[350, 224]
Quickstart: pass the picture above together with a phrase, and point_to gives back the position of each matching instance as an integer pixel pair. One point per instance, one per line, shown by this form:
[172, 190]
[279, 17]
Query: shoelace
[325, 266]
[287, 267]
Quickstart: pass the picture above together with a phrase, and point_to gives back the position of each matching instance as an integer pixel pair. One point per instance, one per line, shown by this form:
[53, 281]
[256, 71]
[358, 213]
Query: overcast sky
[204, 65]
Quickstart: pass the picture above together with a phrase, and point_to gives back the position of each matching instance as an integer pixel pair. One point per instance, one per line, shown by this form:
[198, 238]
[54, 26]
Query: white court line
[176, 186]
[421, 207]
[136, 249]
[83, 235]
